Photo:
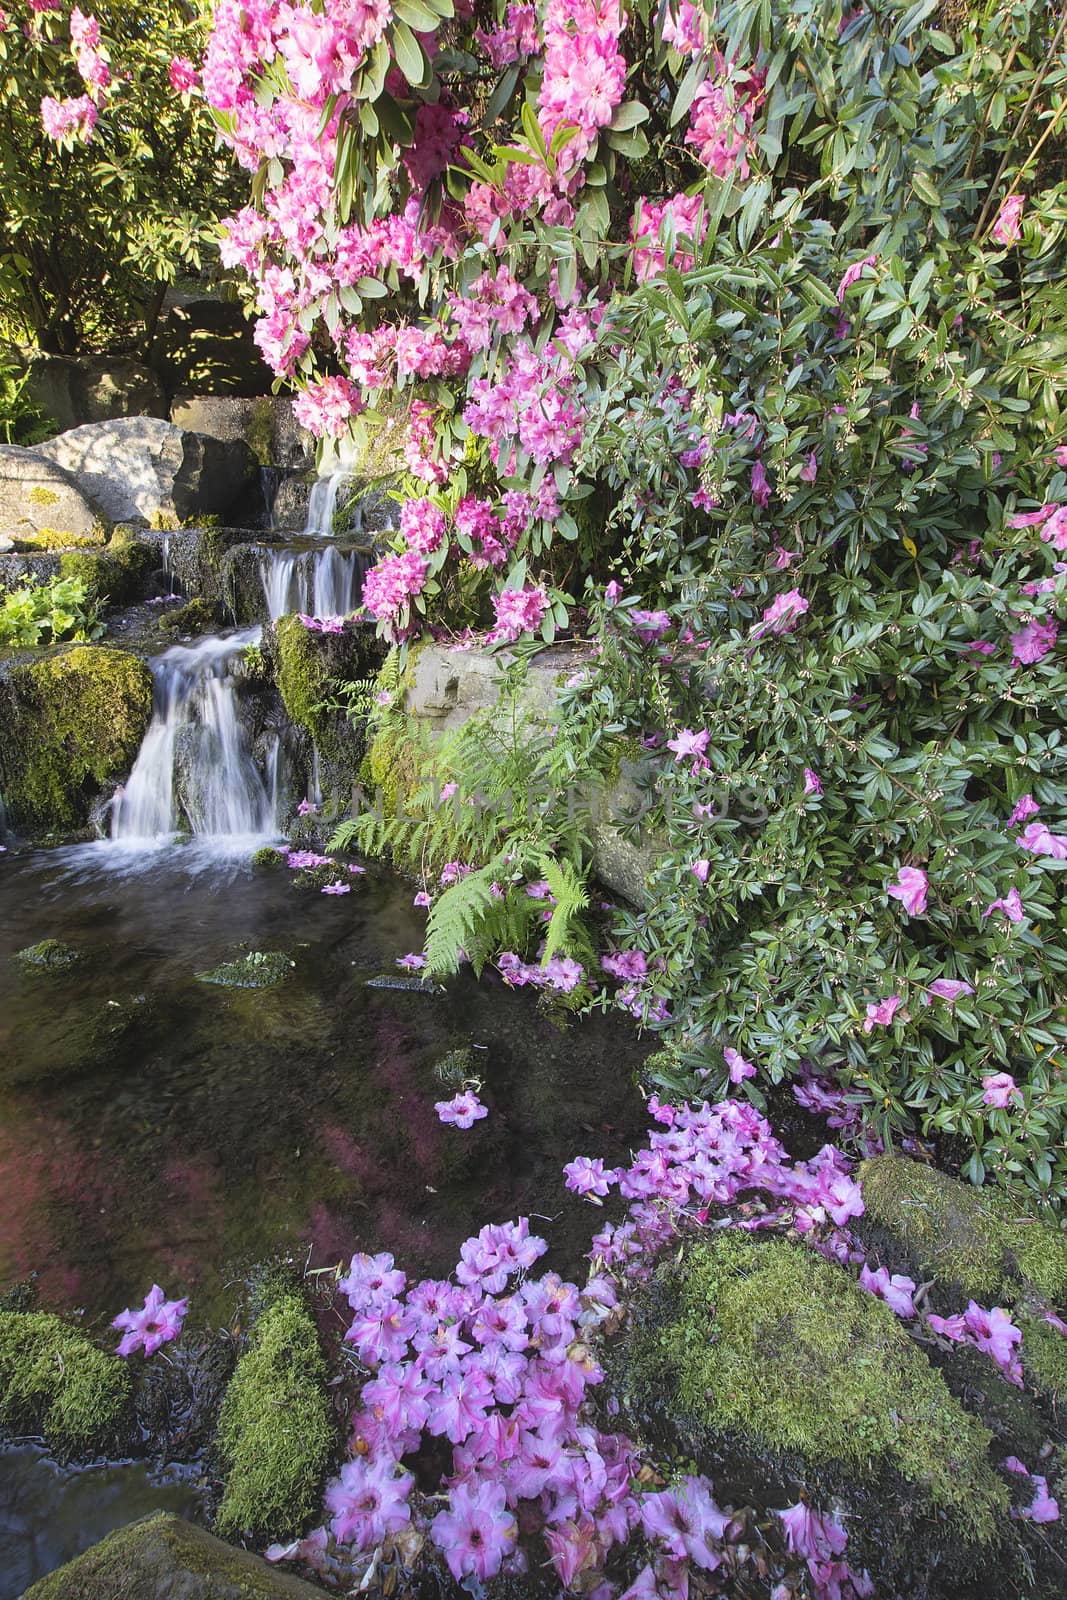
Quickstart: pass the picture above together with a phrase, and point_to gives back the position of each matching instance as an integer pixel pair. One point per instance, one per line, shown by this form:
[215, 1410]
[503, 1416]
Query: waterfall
[322, 503]
[195, 760]
[321, 582]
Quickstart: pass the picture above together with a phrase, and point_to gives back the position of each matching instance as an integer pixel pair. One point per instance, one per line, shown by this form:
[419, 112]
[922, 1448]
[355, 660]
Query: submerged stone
[55, 1381]
[49, 955]
[275, 1436]
[455, 1068]
[168, 1559]
[413, 985]
[764, 1342]
[267, 858]
[260, 969]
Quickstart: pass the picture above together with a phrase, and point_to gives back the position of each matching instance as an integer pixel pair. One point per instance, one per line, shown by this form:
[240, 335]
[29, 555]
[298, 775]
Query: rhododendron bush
[749, 319]
[112, 177]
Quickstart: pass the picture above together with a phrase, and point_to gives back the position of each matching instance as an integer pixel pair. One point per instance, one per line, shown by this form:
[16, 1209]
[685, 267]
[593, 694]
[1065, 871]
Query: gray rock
[409, 985]
[6, 545]
[164, 1558]
[72, 392]
[265, 423]
[290, 509]
[136, 468]
[36, 492]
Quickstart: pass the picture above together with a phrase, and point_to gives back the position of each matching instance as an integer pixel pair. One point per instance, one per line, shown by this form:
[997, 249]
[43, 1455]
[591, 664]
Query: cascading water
[321, 582]
[322, 504]
[195, 762]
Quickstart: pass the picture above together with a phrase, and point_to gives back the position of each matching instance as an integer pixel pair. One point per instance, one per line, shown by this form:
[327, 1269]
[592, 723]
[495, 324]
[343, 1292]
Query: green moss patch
[49, 955]
[303, 677]
[973, 1238]
[267, 858]
[260, 969]
[116, 575]
[68, 726]
[53, 1380]
[773, 1343]
[275, 1436]
[196, 616]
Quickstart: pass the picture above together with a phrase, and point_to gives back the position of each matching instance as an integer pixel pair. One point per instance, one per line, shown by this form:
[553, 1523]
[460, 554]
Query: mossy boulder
[267, 859]
[48, 955]
[165, 1558]
[259, 969]
[765, 1343]
[69, 725]
[275, 1436]
[196, 616]
[54, 1381]
[976, 1240]
[304, 677]
[116, 575]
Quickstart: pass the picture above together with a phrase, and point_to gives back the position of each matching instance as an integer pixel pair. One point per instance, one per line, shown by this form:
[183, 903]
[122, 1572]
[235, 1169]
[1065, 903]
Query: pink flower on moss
[158, 1321]
[463, 1111]
[910, 889]
[999, 1089]
[896, 1291]
[882, 1013]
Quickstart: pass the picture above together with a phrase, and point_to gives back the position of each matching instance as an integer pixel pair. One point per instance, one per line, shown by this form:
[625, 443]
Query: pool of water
[50, 1514]
[154, 1128]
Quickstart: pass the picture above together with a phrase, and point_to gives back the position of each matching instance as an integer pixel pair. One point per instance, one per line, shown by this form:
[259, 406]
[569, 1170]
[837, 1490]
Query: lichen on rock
[55, 1381]
[275, 1437]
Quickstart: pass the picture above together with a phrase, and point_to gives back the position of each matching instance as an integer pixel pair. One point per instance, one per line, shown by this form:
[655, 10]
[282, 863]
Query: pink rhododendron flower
[422, 900]
[700, 870]
[910, 889]
[1011, 905]
[68, 119]
[761, 485]
[337, 888]
[464, 1110]
[1026, 807]
[368, 1501]
[412, 962]
[999, 1089]
[683, 1521]
[518, 611]
[324, 408]
[650, 625]
[812, 782]
[896, 1291]
[852, 274]
[182, 75]
[393, 584]
[739, 1069]
[626, 964]
[422, 525]
[158, 1321]
[782, 615]
[811, 1535]
[1033, 642]
[810, 470]
[588, 1177]
[689, 743]
[993, 1332]
[1007, 229]
[949, 989]
[881, 1013]
[477, 1532]
[1040, 842]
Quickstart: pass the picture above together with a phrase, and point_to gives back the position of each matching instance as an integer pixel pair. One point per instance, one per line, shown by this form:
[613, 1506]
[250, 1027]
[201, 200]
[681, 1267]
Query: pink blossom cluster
[531, 399]
[325, 407]
[390, 587]
[68, 119]
[684, 26]
[518, 611]
[584, 73]
[561, 973]
[91, 61]
[516, 37]
[724, 108]
[422, 525]
[664, 225]
[819, 1540]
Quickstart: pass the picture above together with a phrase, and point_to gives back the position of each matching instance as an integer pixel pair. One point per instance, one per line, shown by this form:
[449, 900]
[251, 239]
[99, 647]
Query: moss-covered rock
[259, 969]
[53, 1380]
[275, 1436]
[165, 1558]
[304, 677]
[116, 575]
[69, 725]
[267, 859]
[973, 1239]
[196, 616]
[1045, 1357]
[769, 1343]
[48, 955]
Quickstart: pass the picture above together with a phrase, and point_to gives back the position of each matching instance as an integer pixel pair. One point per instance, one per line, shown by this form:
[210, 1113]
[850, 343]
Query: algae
[259, 969]
[275, 1436]
[69, 725]
[48, 955]
[769, 1341]
[974, 1238]
[54, 1381]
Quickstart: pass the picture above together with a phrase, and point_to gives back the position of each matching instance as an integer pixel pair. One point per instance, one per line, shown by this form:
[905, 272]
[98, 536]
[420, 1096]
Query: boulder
[205, 345]
[140, 469]
[168, 1559]
[73, 392]
[38, 494]
[264, 422]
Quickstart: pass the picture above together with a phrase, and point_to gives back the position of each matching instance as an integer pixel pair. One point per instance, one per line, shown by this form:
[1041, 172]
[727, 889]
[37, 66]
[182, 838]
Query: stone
[38, 494]
[48, 955]
[265, 423]
[260, 969]
[164, 1558]
[73, 392]
[6, 545]
[204, 344]
[137, 469]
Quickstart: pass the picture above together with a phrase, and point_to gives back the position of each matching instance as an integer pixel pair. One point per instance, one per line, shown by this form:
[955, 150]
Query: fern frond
[568, 887]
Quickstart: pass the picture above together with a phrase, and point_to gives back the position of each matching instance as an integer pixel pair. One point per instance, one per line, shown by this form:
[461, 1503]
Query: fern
[568, 888]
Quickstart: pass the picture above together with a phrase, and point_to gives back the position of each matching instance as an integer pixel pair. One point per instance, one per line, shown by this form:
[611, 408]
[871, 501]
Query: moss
[260, 969]
[275, 1437]
[392, 765]
[1045, 1357]
[772, 1341]
[69, 725]
[455, 1068]
[259, 431]
[61, 539]
[303, 678]
[55, 1381]
[972, 1238]
[50, 955]
[164, 1554]
[196, 616]
[117, 574]
[267, 859]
